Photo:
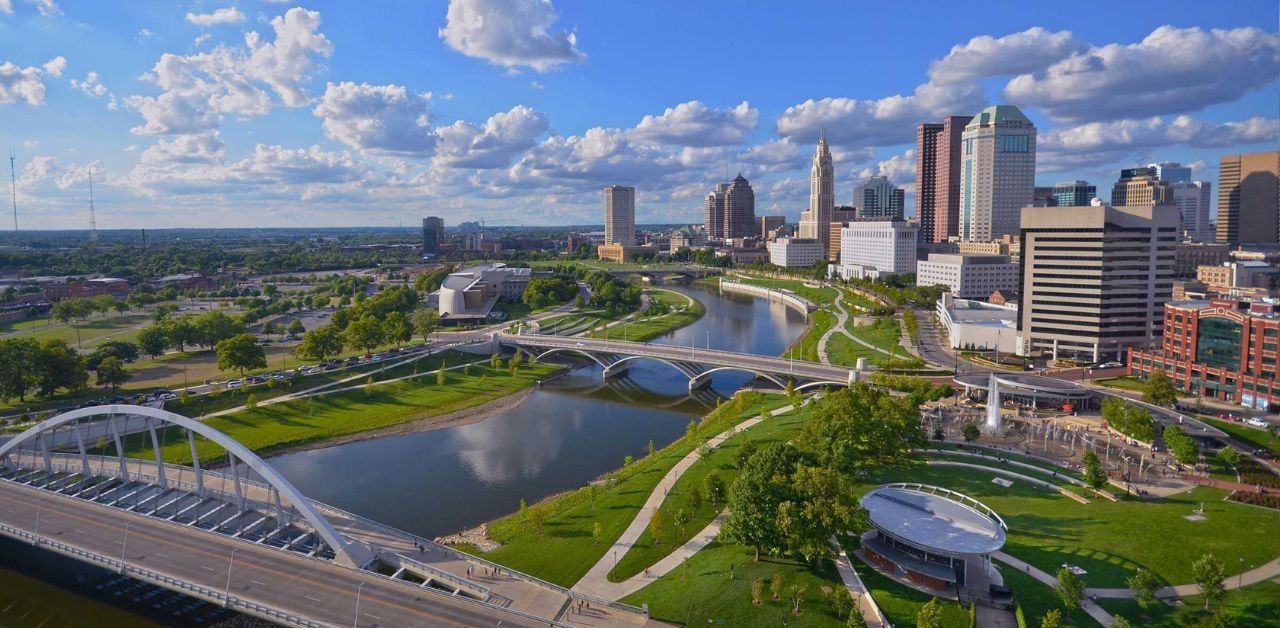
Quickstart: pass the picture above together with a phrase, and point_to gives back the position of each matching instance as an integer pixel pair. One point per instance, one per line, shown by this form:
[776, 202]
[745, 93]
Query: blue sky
[239, 113]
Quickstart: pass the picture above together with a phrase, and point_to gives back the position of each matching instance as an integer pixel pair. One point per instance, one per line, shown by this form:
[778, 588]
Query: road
[317, 590]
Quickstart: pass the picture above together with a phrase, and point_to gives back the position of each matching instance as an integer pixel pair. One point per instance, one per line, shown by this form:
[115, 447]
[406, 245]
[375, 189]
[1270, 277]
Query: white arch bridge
[698, 364]
[241, 535]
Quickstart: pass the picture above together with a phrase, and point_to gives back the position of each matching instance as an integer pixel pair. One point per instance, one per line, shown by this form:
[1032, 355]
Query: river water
[566, 433]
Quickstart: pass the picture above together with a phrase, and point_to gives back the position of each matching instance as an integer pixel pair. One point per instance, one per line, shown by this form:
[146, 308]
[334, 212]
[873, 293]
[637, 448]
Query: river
[566, 433]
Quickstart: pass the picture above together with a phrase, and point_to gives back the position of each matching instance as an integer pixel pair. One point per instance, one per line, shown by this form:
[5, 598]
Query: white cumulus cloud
[378, 118]
[1017, 53]
[225, 15]
[495, 144]
[882, 122]
[509, 33]
[695, 124]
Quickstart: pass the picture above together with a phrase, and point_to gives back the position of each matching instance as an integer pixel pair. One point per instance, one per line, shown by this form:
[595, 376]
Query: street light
[124, 544]
[356, 622]
[36, 531]
[226, 597]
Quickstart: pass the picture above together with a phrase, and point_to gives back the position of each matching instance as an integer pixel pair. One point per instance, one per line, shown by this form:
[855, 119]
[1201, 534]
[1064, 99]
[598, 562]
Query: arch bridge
[615, 357]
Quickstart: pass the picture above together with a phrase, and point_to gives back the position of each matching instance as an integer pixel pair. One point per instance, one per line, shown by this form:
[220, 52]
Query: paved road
[314, 589]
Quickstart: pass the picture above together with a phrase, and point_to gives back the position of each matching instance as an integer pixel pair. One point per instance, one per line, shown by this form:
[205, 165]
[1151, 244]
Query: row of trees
[1128, 419]
[206, 329]
[544, 291]
[68, 310]
[367, 333]
[791, 497]
[42, 368]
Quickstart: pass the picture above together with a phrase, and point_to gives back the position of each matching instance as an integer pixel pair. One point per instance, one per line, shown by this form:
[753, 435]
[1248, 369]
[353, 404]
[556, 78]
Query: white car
[234, 384]
[1256, 422]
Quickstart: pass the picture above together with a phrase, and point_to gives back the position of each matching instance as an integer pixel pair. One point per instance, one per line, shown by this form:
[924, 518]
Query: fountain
[993, 425]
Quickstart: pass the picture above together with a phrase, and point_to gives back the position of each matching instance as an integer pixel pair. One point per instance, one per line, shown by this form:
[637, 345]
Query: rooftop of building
[968, 258]
[935, 518]
[1268, 309]
[467, 277]
[972, 312]
[997, 114]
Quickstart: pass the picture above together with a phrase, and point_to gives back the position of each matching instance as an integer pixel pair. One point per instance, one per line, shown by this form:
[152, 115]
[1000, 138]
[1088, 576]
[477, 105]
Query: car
[332, 366]
[234, 384]
[166, 396]
[256, 379]
[1256, 422]
[279, 377]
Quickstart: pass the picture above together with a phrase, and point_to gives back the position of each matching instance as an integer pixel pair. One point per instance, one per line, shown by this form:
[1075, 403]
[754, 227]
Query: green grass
[565, 550]
[1257, 437]
[1123, 383]
[884, 333]
[860, 302]
[806, 347]
[721, 461]
[700, 591]
[688, 312]
[901, 604]
[321, 418]
[93, 331]
[1037, 598]
[1255, 605]
[821, 296]
[1111, 540]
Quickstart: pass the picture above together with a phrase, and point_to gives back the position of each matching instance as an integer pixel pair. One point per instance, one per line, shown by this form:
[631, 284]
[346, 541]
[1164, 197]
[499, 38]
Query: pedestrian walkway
[867, 606]
[1266, 571]
[596, 581]
[1087, 605]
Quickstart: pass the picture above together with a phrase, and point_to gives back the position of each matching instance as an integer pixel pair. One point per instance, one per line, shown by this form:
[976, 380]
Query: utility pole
[93, 219]
[13, 186]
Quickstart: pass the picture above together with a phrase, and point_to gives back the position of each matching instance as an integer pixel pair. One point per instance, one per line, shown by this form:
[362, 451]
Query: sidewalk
[1087, 605]
[596, 581]
[867, 606]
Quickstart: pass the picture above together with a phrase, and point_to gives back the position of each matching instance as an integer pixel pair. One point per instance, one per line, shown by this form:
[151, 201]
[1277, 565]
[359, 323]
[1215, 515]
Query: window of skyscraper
[1218, 342]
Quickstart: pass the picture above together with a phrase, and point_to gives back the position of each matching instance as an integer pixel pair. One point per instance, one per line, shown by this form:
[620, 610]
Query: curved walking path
[596, 581]
[1013, 474]
[1086, 604]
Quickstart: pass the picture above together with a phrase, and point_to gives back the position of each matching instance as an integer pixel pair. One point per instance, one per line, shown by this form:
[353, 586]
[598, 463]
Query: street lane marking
[208, 568]
[375, 617]
[162, 555]
[261, 584]
[313, 599]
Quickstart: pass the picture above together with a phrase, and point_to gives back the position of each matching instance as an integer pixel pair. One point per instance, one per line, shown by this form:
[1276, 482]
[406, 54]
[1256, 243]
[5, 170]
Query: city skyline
[187, 118]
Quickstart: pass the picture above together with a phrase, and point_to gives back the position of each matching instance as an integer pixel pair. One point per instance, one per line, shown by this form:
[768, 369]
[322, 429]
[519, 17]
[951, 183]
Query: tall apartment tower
[1074, 193]
[620, 215]
[997, 172]
[815, 223]
[432, 235]
[1171, 171]
[1140, 186]
[1074, 303]
[1249, 198]
[713, 212]
[739, 209]
[878, 198]
[938, 177]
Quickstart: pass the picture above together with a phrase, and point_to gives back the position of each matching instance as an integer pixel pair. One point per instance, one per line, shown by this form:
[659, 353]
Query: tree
[930, 615]
[969, 431]
[862, 426]
[1120, 622]
[535, 519]
[1052, 619]
[1144, 585]
[713, 485]
[1158, 389]
[775, 585]
[820, 504]
[681, 520]
[153, 341]
[841, 601]
[1183, 447]
[745, 451]
[320, 343]
[756, 496]
[364, 333]
[1094, 476]
[58, 365]
[440, 373]
[251, 401]
[595, 533]
[1229, 456]
[655, 526]
[1070, 588]
[426, 322]
[757, 591]
[17, 367]
[240, 352]
[184, 397]
[693, 501]
[396, 328]
[797, 595]
[651, 447]
[1208, 573]
[295, 328]
[111, 372]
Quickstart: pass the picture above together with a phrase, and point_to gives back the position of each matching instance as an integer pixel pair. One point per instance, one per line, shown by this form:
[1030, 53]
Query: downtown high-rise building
[432, 235]
[1074, 193]
[1171, 171]
[1192, 198]
[1140, 186]
[620, 215]
[1095, 278]
[997, 172]
[879, 198]
[938, 177]
[1249, 198]
[730, 211]
[815, 223]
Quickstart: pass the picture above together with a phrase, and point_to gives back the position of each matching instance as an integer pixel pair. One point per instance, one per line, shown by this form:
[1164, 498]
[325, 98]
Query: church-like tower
[816, 222]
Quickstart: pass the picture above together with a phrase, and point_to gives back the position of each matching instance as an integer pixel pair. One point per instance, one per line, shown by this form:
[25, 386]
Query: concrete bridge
[692, 272]
[242, 536]
[698, 364]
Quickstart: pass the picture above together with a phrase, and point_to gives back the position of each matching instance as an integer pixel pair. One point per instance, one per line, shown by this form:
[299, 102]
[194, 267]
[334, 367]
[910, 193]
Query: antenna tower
[93, 218]
[13, 185]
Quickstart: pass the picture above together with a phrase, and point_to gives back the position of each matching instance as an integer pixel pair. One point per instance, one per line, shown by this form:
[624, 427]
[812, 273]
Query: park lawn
[93, 331]
[325, 417]
[902, 604]
[821, 296]
[1048, 467]
[1255, 605]
[858, 301]
[807, 345]
[844, 351]
[645, 553]
[884, 333]
[701, 591]
[565, 550]
[688, 311]
[1123, 383]
[1110, 540]
[1037, 598]
[1256, 436]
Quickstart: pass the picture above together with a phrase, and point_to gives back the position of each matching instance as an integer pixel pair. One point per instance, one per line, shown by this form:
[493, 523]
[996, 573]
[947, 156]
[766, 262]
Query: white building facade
[795, 252]
[815, 222]
[978, 326]
[875, 248]
[1192, 199]
[969, 276]
[997, 173]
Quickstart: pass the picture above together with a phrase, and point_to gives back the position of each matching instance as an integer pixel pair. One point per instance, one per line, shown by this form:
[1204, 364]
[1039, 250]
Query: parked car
[1256, 422]
[234, 384]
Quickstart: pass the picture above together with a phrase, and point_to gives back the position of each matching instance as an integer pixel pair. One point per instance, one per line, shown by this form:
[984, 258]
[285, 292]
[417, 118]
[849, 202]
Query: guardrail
[159, 579]
[786, 296]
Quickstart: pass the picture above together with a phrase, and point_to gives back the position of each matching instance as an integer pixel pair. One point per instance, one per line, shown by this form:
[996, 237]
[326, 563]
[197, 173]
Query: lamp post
[226, 597]
[124, 545]
[356, 622]
[36, 530]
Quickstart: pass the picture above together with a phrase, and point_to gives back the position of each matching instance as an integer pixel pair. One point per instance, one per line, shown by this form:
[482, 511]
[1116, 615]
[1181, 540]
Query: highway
[313, 589]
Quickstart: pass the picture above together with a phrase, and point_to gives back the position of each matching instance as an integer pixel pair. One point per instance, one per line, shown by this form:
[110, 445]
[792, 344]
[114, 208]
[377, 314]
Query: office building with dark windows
[1224, 349]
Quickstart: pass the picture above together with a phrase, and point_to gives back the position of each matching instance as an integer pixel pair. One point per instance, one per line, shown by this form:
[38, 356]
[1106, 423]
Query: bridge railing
[168, 582]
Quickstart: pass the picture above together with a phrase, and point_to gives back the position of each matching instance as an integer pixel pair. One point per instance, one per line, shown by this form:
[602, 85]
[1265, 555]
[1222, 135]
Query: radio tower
[93, 219]
[13, 185]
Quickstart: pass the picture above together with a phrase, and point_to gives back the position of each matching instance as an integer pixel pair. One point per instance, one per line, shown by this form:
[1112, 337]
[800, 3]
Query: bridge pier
[617, 368]
[699, 381]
